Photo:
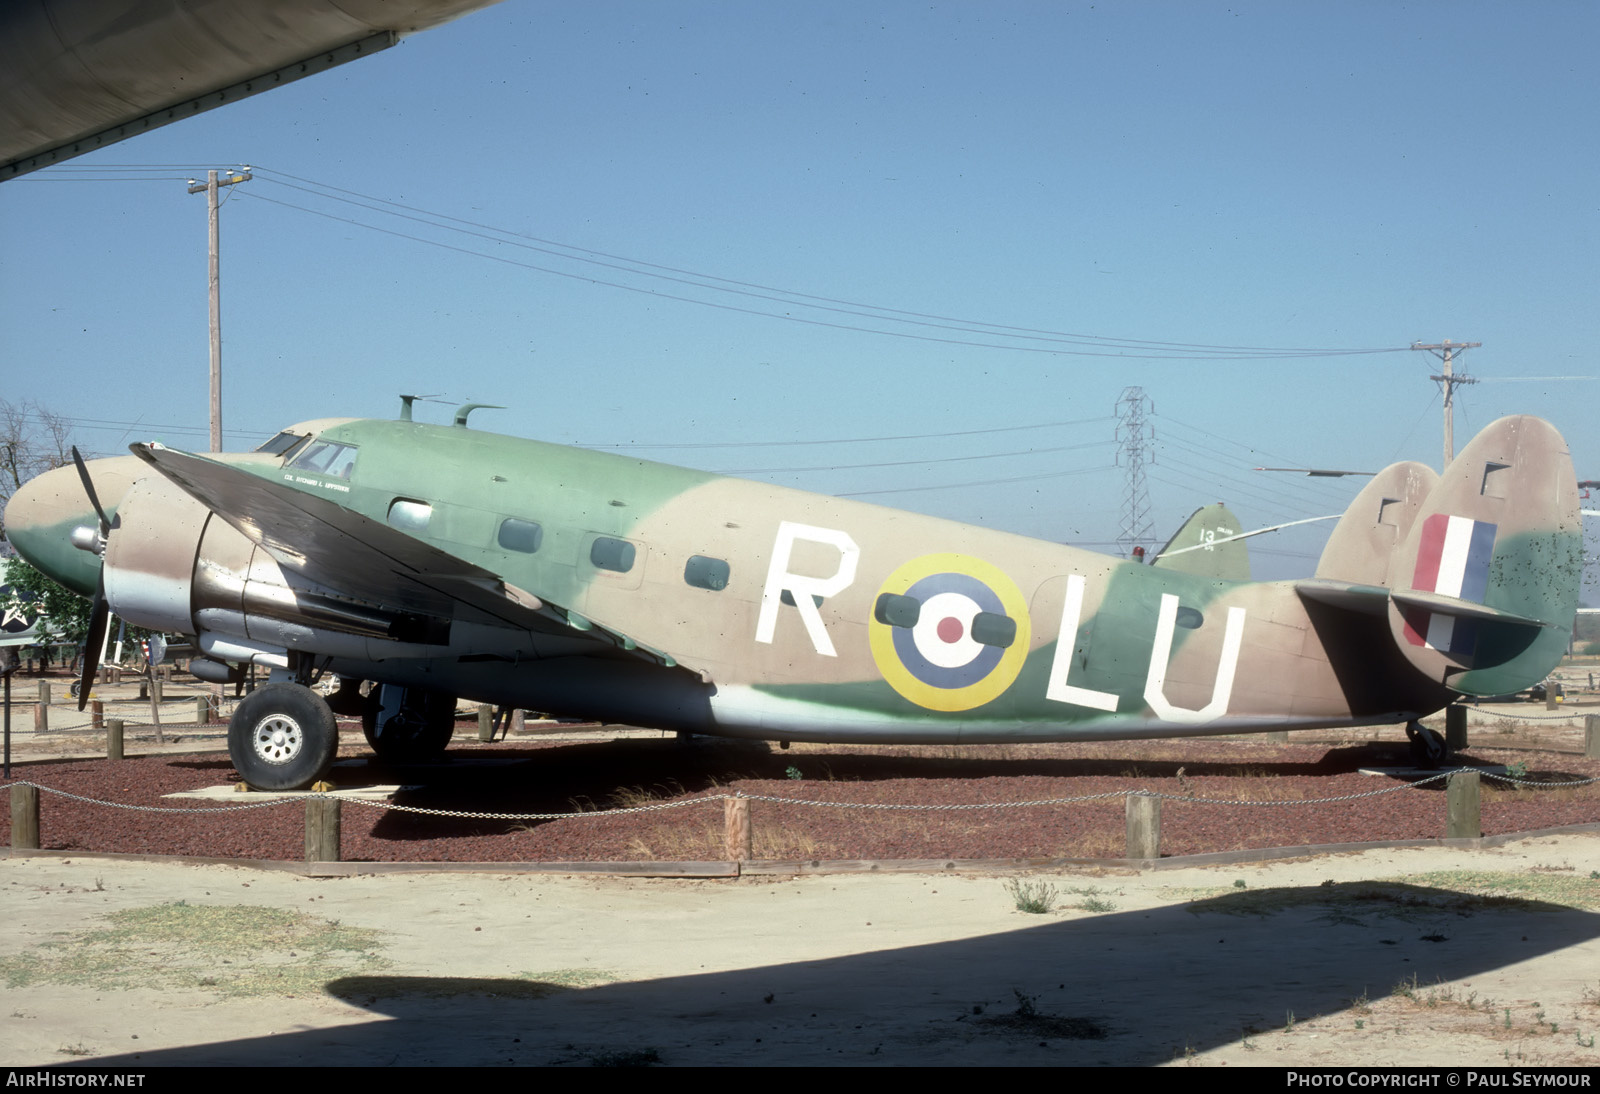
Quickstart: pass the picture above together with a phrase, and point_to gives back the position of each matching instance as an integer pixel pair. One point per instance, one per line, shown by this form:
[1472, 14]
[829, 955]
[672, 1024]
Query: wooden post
[24, 817]
[322, 829]
[1455, 727]
[1550, 697]
[113, 738]
[519, 722]
[1461, 805]
[41, 713]
[1144, 825]
[155, 707]
[202, 710]
[485, 722]
[738, 839]
[97, 713]
[1591, 736]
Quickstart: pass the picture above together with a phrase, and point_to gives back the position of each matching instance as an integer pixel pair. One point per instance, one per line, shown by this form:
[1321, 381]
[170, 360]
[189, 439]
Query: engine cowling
[172, 565]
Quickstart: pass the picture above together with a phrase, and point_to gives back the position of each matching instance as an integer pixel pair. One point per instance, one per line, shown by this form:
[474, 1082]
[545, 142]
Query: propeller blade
[88, 488]
[99, 618]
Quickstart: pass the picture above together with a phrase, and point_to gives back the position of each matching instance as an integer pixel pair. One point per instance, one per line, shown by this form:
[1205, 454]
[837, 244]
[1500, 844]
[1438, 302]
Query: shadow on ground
[1127, 988]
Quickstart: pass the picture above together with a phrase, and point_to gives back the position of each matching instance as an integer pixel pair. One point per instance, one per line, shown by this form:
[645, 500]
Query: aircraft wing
[365, 559]
[76, 75]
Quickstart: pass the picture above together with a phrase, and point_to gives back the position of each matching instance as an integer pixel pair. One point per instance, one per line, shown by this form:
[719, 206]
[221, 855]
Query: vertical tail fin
[1193, 550]
[1362, 547]
[1484, 584]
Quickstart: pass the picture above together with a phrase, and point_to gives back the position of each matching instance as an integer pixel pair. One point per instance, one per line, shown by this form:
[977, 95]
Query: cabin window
[1189, 618]
[409, 516]
[706, 573]
[616, 555]
[520, 535]
[282, 444]
[327, 458]
[897, 610]
[989, 629]
[787, 597]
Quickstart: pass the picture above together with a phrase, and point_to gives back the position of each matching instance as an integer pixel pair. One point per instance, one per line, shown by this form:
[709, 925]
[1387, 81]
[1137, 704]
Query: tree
[33, 440]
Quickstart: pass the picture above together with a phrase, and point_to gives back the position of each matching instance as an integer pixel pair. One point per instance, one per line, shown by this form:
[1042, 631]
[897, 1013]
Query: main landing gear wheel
[282, 737]
[417, 732]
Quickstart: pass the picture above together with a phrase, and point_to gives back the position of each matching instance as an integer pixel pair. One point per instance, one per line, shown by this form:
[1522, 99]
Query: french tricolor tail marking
[1452, 560]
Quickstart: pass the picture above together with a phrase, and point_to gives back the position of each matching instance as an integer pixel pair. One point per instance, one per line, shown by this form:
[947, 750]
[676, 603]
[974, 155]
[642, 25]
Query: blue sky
[1329, 176]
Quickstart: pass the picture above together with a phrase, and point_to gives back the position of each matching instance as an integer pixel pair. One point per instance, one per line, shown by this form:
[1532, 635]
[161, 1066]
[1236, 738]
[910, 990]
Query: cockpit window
[327, 458]
[283, 443]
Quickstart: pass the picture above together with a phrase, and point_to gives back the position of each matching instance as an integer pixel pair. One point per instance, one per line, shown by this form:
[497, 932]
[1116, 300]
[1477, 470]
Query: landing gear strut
[282, 737]
[1427, 747]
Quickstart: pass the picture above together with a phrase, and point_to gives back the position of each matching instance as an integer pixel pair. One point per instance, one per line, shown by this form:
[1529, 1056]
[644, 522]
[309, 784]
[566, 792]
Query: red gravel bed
[1278, 780]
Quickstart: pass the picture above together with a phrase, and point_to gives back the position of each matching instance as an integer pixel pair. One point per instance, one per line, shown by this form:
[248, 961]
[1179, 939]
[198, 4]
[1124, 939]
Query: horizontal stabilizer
[1374, 600]
[1366, 599]
[1457, 608]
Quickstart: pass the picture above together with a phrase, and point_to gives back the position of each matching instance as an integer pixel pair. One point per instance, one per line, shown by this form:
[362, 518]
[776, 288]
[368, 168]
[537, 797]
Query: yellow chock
[322, 787]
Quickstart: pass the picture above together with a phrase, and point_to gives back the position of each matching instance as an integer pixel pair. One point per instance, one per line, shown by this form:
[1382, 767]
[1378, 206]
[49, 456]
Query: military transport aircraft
[443, 562]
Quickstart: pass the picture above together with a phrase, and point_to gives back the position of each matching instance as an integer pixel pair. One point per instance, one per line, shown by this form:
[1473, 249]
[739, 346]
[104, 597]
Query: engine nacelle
[172, 565]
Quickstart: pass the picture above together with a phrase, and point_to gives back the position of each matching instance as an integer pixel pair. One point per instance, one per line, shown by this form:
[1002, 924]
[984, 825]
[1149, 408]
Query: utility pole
[1446, 351]
[1133, 431]
[211, 187]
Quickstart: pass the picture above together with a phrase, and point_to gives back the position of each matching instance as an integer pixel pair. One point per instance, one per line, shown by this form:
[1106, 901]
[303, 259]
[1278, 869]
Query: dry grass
[1492, 790]
[234, 950]
[706, 843]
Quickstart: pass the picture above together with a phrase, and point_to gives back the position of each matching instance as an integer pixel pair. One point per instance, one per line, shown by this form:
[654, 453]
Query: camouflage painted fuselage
[740, 608]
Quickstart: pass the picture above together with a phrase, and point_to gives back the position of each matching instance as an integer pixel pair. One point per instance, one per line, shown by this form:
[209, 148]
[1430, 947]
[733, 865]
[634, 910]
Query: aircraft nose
[44, 513]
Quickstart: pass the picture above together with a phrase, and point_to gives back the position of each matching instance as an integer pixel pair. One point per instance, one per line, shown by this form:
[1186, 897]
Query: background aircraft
[442, 562]
[18, 627]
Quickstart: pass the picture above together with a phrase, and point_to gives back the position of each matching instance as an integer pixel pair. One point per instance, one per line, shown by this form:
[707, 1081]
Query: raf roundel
[949, 631]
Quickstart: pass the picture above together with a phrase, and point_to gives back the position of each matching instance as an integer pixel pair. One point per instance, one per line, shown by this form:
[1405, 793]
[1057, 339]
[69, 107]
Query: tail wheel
[417, 732]
[282, 737]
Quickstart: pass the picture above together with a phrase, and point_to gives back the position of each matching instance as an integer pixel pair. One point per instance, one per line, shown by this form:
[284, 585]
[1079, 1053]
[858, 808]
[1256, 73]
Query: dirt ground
[1441, 956]
[1430, 956]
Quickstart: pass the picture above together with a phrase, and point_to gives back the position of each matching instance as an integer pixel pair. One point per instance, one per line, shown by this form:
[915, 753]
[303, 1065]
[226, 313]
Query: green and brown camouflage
[509, 571]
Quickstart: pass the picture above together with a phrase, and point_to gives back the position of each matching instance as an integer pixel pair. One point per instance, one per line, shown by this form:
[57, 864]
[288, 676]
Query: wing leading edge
[367, 560]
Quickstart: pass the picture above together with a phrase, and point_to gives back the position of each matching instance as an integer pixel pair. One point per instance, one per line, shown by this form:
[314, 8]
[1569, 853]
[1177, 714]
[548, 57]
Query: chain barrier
[148, 808]
[1568, 716]
[813, 802]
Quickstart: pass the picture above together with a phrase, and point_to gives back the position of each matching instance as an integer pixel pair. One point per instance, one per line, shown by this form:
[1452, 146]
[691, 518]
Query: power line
[984, 482]
[640, 266]
[860, 440]
[1089, 345]
[918, 463]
